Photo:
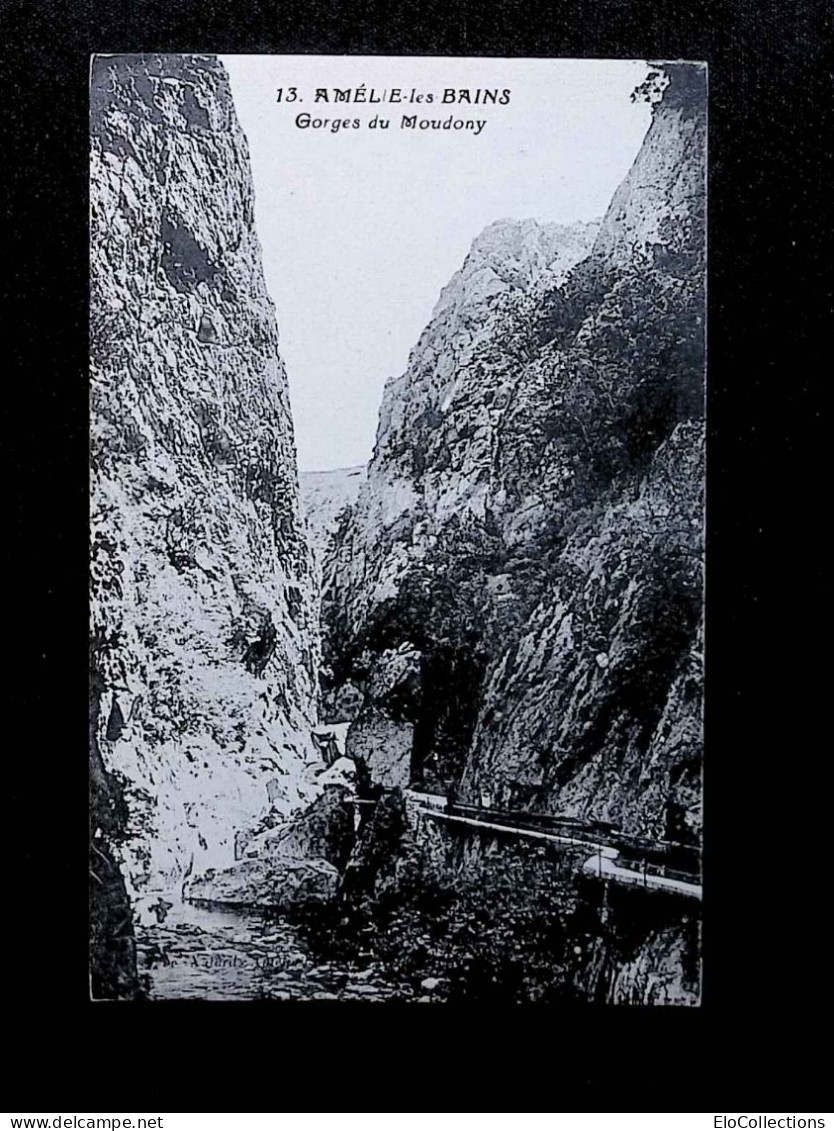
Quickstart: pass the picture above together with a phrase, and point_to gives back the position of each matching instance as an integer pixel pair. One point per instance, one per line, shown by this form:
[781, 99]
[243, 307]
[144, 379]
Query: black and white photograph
[398, 372]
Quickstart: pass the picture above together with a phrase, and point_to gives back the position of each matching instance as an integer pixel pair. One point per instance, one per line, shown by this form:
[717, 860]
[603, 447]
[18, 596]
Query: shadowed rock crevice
[113, 972]
[260, 651]
[185, 263]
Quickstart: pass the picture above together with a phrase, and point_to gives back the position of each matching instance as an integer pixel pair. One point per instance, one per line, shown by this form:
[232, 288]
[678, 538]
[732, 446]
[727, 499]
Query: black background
[756, 1042]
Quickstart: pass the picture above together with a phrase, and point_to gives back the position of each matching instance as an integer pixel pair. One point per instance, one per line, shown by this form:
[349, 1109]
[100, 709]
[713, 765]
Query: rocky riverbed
[216, 953]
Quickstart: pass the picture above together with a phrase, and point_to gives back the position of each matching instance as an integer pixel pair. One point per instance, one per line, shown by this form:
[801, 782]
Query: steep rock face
[432, 469]
[440, 421]
[203, 618]
[327, 499]
[113, 971]
[666, 182]
[531, 530]
[595, 711]
[661, 973]
[324, 497]
[596, 708]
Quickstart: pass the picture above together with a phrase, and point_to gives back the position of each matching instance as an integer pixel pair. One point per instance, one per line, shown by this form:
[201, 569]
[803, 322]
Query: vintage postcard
[398, 372]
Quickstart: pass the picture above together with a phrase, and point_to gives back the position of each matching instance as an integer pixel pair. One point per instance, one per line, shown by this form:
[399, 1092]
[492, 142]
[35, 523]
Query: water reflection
[219, 953]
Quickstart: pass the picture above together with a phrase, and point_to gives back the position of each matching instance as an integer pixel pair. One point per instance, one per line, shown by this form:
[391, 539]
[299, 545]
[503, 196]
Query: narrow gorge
[429, 729]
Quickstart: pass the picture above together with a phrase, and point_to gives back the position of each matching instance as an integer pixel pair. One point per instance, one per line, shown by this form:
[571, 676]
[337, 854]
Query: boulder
[280, 882]
[324, 830]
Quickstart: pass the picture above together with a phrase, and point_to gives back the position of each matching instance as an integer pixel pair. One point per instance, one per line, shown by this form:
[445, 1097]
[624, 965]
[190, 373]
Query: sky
[361, 228]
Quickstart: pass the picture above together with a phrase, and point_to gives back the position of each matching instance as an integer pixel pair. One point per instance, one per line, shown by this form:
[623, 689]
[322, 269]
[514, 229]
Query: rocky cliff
[204, 635]
[325, 495]
[440, 422]
[327, 499]
[432, 472]
[518, 592]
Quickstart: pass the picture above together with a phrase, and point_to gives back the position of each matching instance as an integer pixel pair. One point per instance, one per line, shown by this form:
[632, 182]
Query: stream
[219, 953]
